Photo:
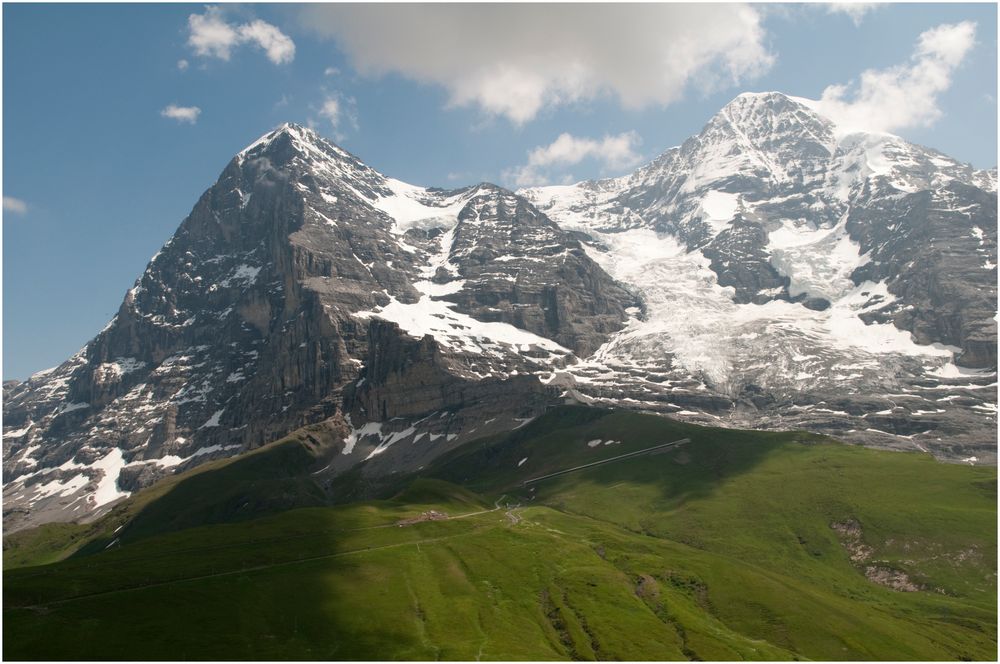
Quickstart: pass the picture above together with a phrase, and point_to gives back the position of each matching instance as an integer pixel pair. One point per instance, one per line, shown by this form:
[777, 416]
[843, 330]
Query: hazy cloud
[516, 60]
[339, 110]
[183, 64]
[181, 113]
[211, 35]
[331, 111]
[855, 10]
[905, 95]
[14, 205]
[612, 152]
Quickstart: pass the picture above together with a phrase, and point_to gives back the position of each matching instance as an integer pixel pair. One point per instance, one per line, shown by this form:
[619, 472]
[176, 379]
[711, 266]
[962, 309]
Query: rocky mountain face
[772, 272]
[268, 310]
[843, 282]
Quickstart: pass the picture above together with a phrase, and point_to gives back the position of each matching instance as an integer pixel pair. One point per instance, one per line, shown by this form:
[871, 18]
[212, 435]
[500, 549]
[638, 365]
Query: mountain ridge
[306, 287]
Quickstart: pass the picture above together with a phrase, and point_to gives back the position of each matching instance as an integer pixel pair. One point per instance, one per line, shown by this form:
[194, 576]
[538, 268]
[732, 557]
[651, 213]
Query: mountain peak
[766, 120]
[299, 132]
[301, 138]
[770, 96]
[754, 105]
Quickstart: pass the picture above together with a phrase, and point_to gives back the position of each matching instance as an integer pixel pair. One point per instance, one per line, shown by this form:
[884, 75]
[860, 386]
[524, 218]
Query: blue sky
[97, 173]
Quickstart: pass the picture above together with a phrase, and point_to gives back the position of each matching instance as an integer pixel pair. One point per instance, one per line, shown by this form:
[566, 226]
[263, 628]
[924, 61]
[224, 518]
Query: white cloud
[15, 205]
[515, 60]
[612, 152]
[906, 95]
[279, 47]
[855, 10]
[183, 64]
[331, 71]
[181, 113]
[211, 35]
[331, 111]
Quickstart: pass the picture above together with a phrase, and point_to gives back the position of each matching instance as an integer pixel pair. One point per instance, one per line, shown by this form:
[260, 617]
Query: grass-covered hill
[735, 545]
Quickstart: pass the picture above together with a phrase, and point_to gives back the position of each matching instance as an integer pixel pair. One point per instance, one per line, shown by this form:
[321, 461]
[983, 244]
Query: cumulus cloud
[612, 152]
[14, 205]
[279, 47]
[187, 114]
[906, 95]
[183, 64]
[855, 10]
[516, 60]
[211, 35]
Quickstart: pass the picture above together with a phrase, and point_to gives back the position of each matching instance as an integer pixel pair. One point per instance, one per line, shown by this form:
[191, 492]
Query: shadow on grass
[270, 588]
[565, 437]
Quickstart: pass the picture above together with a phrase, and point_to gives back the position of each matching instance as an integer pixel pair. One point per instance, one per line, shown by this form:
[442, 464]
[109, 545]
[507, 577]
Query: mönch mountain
[775, 271]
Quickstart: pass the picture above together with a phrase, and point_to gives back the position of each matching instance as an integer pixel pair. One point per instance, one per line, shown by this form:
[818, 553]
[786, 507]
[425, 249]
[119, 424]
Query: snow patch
[121, 366]
[437, 290]
[17, 433]
[107, 487]
[459, 331]
[245, 274]
[369, 429]
[414, 207]
[387, 440]
[211, 449]
[818, 262]
[952, 370]
[718, 209]
[213, 421]
[57, 487]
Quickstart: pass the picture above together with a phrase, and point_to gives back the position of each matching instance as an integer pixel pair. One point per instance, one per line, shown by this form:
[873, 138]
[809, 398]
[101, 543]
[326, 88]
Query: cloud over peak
[906, 95]
[612, 152]
[516, 60]
[211, 35]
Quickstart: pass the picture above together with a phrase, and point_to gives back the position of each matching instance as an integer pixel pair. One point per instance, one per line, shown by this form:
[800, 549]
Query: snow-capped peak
[776, 122]
[303, 139]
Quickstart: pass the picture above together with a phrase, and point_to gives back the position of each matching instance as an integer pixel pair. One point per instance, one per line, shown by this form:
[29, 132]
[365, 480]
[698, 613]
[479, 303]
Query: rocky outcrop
[738, 256]
[520, 268]
[405, 378]
[936, 250]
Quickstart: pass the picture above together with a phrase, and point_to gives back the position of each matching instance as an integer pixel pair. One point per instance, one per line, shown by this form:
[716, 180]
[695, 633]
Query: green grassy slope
[719, 549]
